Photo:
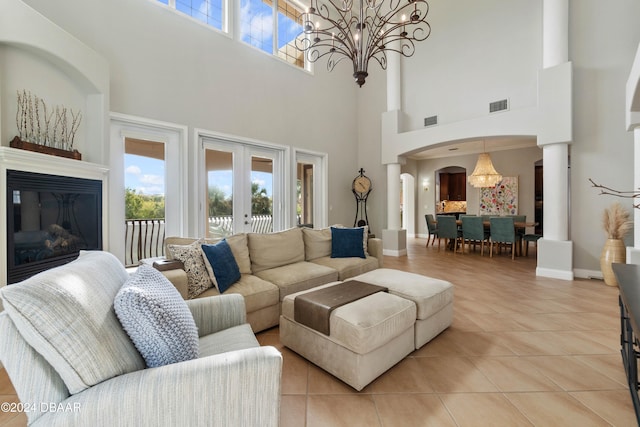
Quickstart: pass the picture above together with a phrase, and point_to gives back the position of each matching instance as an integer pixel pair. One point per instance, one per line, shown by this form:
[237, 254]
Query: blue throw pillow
[347, 242]
[222, 264]
[156, 318]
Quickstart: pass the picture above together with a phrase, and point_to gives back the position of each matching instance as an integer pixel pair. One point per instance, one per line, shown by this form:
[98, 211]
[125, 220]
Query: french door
[243, 187]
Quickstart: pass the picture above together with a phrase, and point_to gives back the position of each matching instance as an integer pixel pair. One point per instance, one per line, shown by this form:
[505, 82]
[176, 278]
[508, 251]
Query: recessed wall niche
[30, 70]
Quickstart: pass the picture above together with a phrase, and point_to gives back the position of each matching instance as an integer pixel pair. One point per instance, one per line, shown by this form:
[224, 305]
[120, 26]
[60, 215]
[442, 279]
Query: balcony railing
[144, 238]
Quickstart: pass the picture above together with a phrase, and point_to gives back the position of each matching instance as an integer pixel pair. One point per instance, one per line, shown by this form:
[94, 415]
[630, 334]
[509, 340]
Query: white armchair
[233, 382]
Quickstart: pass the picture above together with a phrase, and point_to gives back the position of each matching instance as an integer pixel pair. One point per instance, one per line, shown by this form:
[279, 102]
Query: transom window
[257, 26]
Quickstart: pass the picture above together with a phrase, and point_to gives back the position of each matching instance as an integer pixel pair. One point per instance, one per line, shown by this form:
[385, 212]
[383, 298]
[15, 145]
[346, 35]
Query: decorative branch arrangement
[36, 124]
[633, 194]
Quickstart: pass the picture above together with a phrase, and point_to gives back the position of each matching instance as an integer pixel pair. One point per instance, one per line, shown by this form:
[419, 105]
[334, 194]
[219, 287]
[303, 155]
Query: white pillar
[394, 83]
[394, 239]
[556, 191]
[393, 196]
[555, 251]
[555, 34]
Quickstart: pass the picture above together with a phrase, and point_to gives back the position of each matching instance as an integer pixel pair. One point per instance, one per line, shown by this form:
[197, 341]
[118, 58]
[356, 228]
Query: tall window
[258, 27]
[144, 163]
[243, 188]
[211, 12]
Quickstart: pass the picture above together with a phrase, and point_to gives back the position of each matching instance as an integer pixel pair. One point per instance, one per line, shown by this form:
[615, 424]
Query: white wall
[603, 39]
[478, 52]
[166, 67]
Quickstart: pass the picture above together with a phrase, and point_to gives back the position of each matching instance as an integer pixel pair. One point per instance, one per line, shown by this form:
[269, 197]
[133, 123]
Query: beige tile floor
[522, 351]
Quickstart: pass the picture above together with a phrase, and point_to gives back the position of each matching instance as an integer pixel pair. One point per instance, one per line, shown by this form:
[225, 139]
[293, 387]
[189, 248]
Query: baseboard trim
[393, 252]
[588, 274]
[554, 274]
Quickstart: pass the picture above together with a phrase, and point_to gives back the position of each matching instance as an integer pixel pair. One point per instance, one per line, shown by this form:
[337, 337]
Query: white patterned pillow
[198, 279]
[156, 318]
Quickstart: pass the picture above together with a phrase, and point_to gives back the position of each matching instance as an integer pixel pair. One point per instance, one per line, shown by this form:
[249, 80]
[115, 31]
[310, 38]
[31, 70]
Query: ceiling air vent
[501, 105]
[431, 121]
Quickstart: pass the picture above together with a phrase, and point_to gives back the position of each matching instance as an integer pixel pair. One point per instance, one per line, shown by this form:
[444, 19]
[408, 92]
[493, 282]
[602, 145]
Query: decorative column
[555, 251]
[394, 239]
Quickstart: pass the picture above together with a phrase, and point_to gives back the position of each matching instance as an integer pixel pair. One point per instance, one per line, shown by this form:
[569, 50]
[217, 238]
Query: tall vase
[613, 251]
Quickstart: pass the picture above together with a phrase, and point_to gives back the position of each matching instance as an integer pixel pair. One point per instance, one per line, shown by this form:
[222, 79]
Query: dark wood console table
[628, 276]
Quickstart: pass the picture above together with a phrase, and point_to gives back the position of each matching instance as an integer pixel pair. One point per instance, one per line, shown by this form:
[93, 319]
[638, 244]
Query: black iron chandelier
[335, 28]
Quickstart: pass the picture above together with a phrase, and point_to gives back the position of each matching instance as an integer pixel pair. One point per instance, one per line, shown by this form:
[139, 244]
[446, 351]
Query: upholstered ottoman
[433, 298]
[367, 336]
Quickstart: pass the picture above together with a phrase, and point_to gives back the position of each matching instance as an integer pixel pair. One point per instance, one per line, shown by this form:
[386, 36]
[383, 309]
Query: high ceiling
[461, 148]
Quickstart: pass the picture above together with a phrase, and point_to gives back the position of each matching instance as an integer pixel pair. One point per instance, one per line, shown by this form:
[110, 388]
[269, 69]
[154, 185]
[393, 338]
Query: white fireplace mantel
[21, 160]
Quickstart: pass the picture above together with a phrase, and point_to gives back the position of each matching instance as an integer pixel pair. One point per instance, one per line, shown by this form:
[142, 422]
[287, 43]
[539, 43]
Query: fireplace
[50, 219]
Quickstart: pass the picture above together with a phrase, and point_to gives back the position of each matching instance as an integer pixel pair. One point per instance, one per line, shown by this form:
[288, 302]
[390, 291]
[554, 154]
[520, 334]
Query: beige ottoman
[433, 298]
[367, 336]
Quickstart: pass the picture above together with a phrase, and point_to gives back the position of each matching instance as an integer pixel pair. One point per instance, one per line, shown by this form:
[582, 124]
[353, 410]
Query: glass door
[243, 188]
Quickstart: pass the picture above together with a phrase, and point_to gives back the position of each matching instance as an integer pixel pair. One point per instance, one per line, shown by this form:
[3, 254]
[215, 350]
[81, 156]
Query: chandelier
[337, 29]
[484, 175]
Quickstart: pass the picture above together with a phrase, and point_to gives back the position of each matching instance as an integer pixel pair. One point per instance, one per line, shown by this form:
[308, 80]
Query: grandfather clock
[361, 188]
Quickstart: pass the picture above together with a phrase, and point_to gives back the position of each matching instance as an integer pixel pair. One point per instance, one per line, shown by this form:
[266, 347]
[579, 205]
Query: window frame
[231, 27]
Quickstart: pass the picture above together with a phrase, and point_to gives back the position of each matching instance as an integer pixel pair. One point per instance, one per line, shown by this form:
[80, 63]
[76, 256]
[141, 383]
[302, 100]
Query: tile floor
[522, 351]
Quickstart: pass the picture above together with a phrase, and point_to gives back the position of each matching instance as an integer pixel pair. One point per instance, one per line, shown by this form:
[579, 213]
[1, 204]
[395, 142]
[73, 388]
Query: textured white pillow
[198, 279]
[156, 318]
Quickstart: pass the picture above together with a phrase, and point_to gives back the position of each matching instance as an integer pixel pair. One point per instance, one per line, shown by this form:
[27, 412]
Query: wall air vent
[501, 105]
[431, 121]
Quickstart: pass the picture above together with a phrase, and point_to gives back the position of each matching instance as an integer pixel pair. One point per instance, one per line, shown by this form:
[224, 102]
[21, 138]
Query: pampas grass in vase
[617, 224]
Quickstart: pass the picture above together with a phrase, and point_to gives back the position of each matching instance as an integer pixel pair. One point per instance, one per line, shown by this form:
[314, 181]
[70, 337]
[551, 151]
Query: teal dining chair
[448, 229]
[530, 238]
[432, 229]
[473, 231]
[503, 231]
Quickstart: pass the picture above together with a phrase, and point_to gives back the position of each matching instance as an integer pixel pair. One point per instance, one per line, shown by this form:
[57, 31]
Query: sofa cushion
[348, 267]
[240, 249]
[317, 243]
[197, 276]
[298, 276]
[221, 265]
[272, 250]
[347, 242]
[157, 319]
[66, 314]
[257, 293]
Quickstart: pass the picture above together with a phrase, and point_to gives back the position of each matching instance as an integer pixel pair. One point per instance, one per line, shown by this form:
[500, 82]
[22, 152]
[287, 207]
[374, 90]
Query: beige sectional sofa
[275, 265]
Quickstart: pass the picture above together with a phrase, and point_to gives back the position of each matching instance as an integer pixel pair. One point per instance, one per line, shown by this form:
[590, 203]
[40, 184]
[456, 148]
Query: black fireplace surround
[50, 219]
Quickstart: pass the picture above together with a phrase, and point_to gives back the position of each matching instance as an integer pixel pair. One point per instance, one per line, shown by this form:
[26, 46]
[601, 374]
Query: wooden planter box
[23, 145]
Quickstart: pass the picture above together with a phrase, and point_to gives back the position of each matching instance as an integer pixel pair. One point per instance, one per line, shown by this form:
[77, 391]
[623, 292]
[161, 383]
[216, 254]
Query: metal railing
[144, 238]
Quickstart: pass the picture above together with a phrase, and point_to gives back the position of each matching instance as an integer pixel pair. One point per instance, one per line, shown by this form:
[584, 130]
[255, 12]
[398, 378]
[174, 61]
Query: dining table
[519, 225]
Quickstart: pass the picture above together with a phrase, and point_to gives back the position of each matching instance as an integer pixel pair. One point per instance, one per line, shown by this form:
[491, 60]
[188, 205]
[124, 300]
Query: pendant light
[484, 175]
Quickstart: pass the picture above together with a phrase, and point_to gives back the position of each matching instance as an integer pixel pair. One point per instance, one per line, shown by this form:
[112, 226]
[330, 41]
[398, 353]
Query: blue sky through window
[224, 181]
[256, 17]
[207, 11]
[143, 174]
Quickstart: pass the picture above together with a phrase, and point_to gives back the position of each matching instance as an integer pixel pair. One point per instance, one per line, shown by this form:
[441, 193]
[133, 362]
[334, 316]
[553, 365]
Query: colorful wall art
[501, 199]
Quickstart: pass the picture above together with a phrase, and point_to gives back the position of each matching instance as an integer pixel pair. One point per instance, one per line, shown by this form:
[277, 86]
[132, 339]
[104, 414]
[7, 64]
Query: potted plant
[617, 224]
